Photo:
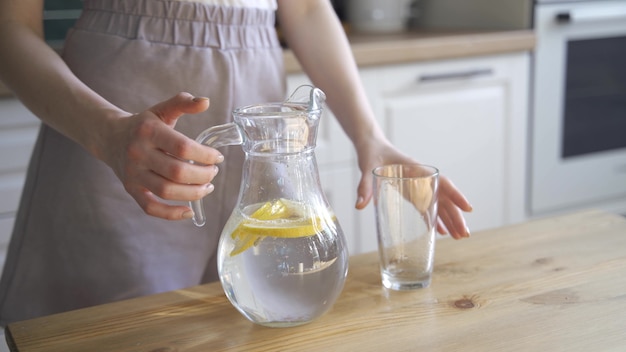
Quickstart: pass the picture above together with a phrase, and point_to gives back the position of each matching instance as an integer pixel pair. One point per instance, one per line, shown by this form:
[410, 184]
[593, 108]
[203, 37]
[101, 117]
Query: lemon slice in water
[280, 218]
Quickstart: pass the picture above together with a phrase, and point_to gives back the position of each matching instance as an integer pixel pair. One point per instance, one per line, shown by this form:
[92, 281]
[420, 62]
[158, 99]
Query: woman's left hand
[451, 202]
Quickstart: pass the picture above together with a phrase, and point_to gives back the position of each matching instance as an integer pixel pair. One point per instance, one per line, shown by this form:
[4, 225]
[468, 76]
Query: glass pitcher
[282, 256]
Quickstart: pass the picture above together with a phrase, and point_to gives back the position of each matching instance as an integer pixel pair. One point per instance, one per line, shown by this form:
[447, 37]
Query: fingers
[160, 150]
[364, 191]
[148, 181]
[452, 218]
[181, 171]
[164, 181]
[452, 203]
[151, 205]
[151, 159]
[182, 103]
[449, 190]
[175, 143]
[441, 228]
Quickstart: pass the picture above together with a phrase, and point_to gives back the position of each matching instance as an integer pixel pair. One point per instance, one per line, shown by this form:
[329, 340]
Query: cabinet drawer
[457, 72]
[16, 145]
[11, 185]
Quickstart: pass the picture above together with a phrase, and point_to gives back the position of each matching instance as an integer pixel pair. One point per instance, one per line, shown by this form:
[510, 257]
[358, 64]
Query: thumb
[364, 191]
[182, 103]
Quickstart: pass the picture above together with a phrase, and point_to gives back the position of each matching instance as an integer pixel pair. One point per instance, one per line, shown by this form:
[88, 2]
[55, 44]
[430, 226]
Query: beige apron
[80, 239]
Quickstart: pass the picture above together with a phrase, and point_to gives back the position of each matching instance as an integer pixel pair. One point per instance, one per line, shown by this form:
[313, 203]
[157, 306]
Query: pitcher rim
[241, 111]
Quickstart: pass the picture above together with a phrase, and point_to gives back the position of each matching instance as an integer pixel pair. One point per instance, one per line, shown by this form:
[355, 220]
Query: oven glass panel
[595, 96]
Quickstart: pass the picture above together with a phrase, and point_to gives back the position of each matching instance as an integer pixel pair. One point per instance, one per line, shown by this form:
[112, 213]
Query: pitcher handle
[215, 137]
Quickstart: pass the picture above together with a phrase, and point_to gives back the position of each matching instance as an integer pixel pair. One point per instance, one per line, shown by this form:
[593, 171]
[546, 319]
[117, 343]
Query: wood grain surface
[556, 284]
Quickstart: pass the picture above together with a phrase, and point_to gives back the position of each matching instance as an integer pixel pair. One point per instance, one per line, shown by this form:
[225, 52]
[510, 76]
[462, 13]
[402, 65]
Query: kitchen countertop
[385, 49]
[554, 284]
[420, 46]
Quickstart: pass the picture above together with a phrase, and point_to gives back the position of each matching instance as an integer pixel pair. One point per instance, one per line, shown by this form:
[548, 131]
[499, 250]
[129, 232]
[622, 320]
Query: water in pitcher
[277, 265]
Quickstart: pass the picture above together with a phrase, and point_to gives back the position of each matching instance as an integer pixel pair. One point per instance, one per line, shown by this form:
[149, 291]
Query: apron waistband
[181, 23]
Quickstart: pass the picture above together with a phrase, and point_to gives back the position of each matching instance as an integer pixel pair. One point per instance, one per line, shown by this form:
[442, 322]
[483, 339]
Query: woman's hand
[327, 59]
[151, 158]
[451, 202]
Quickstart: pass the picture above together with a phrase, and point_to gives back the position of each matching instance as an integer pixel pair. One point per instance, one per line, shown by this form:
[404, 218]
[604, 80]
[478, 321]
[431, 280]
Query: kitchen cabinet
[18, 131]
[465, 116]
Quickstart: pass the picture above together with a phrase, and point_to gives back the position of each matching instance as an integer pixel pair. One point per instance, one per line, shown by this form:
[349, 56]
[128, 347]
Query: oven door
[579, 106]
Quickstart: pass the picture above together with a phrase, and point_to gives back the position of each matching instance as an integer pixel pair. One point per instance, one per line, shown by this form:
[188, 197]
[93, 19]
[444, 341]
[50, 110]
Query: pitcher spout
[308, 95]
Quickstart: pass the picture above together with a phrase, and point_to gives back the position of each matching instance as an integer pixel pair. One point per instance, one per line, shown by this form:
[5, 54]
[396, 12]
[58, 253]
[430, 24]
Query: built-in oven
[578, 123]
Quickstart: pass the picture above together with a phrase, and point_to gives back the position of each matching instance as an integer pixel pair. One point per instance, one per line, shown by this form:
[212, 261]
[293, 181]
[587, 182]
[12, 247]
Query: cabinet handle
[591, 15]
[563, 17]
[454, 75]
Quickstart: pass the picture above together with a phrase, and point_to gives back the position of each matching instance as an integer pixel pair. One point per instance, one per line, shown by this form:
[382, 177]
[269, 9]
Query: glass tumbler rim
[428, 171]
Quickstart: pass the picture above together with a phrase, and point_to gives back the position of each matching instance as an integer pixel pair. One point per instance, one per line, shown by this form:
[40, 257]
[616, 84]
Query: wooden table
[557, 284]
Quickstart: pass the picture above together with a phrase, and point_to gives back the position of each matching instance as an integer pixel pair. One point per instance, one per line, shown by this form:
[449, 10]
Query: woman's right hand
[151, 159]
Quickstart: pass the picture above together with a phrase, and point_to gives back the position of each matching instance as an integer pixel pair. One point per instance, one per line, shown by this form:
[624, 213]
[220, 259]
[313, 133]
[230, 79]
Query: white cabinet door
[339, 186]
[461, 132]
[468, 118]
